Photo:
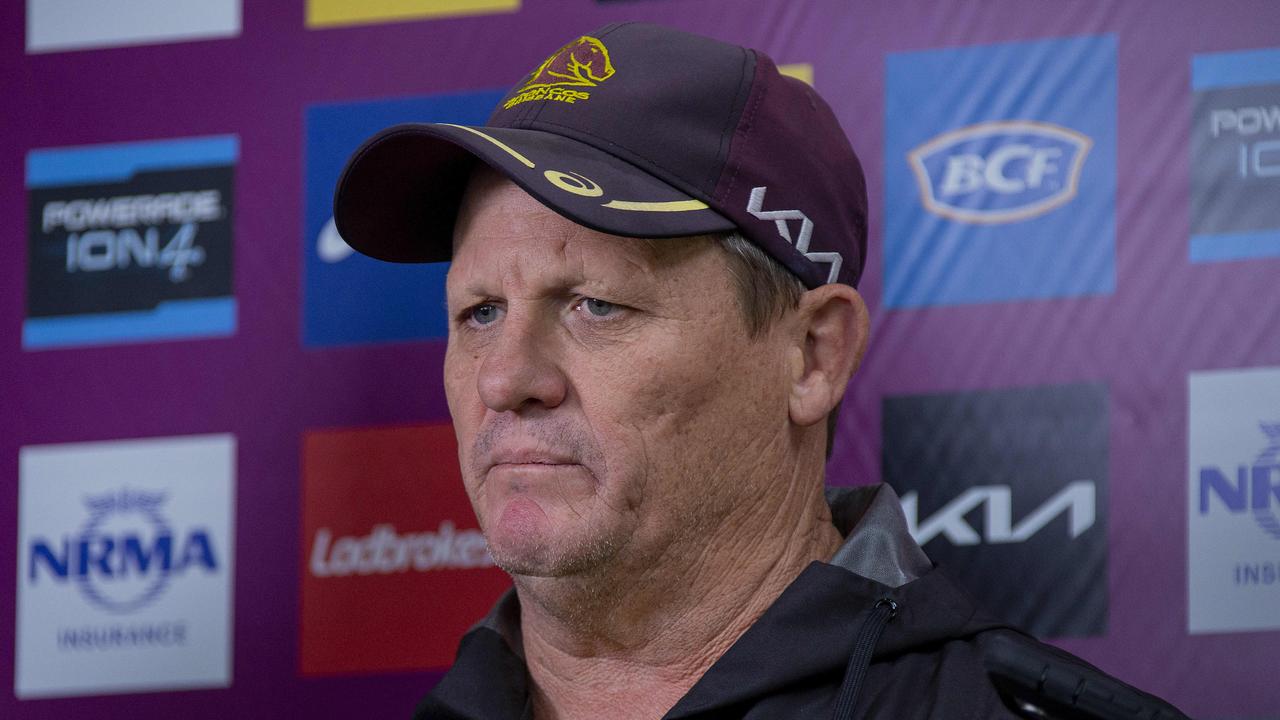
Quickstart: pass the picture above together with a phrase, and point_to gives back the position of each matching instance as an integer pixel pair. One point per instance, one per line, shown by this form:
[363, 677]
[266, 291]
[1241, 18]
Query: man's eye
[599, 308]
[484, 314]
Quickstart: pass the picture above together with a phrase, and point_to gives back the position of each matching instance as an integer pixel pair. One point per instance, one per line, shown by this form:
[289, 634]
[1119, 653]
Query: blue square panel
[349, 298]
[1000, 172]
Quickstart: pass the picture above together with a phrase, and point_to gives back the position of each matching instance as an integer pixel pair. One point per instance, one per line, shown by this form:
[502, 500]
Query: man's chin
[522, 550]
[526, 541]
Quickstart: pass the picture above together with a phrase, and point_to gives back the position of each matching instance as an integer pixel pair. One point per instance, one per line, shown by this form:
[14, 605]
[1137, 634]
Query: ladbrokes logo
[384, 551]
[1000, 172]
[1233, 503]
[130, 242]
[125, 566]
[580, 64]
[395, 569]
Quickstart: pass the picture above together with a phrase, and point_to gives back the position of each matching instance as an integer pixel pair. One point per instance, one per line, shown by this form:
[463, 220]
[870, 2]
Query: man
[653, 315]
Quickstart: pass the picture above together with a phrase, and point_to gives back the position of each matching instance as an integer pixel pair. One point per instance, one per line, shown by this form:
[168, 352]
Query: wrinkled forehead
[497, 218]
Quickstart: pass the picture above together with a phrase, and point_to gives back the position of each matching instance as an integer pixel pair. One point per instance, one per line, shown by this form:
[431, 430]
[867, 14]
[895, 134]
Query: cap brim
[398, 197]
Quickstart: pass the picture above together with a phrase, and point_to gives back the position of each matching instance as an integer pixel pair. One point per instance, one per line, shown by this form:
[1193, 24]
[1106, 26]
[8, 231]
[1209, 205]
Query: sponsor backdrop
[228, 484]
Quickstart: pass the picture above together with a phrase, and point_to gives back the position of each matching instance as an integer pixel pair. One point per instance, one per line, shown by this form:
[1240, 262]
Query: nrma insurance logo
[1234, 501]
[124, 556]
[130, 242]
[1000, 172]
[1252, 489]
[349, 298]
[125, 566]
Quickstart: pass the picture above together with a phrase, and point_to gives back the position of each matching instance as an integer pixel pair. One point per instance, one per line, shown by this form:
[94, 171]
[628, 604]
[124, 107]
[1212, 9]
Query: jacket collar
[878, 544]
[808, 631]
[811, 628]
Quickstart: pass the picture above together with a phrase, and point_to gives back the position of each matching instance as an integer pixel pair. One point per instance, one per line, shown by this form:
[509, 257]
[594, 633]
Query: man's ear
[831, 338]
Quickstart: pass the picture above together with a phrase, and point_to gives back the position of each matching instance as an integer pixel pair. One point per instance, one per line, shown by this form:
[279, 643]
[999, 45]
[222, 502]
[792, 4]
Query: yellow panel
[333, 13]
[799, 71]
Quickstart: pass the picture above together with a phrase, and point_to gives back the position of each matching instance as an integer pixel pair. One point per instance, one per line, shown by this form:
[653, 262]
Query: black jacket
[878, 632]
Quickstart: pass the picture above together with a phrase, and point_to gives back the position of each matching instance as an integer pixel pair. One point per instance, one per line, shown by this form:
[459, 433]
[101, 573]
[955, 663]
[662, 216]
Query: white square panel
[125, 566]
[1233, 501]
[54, 25]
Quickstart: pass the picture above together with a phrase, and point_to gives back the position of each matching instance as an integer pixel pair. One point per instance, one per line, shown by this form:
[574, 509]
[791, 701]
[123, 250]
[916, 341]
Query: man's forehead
[498, 219]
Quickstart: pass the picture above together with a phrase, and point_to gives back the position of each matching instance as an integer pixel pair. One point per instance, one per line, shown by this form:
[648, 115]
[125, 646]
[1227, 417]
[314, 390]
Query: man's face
[608, 403]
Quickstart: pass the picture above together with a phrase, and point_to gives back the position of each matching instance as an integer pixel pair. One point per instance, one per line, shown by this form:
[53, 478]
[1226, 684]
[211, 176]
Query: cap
[634, 130]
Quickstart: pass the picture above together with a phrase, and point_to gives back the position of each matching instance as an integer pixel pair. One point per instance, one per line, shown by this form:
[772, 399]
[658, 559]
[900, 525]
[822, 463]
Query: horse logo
[582, 63]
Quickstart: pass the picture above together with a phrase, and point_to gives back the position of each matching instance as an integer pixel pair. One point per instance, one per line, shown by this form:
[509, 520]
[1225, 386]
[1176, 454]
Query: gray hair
[766, 292]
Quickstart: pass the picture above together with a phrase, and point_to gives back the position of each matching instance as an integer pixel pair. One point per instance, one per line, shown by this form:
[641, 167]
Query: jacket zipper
[860, 659]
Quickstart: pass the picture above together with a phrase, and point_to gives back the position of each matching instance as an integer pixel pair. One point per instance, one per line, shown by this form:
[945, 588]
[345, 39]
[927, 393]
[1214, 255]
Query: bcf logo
[999, 172]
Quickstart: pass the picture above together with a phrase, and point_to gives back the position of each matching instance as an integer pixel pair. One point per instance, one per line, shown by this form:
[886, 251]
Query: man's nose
[519, 369]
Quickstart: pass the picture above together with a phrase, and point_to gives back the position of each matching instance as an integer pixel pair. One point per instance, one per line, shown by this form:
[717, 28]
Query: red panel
[394, 569]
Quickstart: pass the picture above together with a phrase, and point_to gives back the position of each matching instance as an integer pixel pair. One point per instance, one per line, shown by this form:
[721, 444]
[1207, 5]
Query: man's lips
[529, 457]
[523, 473]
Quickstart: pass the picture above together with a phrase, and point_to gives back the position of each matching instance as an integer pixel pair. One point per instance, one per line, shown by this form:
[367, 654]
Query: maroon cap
[634, 130]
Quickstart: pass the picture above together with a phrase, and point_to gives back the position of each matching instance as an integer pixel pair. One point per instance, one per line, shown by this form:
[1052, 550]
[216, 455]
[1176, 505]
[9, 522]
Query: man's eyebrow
[562, 285]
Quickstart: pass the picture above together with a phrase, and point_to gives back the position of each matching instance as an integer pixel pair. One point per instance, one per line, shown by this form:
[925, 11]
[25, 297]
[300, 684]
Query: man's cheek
[484, 503]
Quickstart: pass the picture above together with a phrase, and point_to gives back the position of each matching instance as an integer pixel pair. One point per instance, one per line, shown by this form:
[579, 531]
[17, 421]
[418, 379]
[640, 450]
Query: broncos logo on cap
[583, 62]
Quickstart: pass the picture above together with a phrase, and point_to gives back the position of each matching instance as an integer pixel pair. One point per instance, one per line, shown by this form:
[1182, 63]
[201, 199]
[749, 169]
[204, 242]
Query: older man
[653, 318]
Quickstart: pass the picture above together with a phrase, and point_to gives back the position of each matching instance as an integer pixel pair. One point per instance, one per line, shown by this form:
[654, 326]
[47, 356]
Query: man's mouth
[530, 457]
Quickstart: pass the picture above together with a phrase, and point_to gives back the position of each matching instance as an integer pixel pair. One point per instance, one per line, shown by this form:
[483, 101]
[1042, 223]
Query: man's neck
[629, 641]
